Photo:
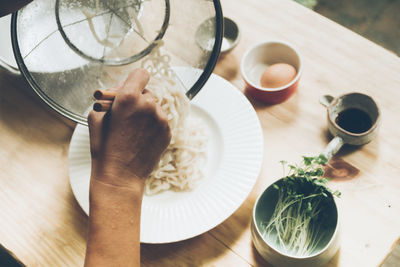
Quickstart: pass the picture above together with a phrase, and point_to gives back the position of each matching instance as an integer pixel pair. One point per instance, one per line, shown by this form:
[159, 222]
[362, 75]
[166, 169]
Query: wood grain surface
[42, 224]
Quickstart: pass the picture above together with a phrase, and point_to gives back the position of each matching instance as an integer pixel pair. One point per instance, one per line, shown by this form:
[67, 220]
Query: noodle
[89, 17]
[180, 166]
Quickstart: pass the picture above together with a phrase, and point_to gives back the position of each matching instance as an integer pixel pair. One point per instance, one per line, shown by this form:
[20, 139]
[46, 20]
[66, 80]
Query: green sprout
[295, 225]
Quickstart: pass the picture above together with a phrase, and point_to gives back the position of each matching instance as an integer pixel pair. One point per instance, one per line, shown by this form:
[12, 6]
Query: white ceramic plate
[235, 152]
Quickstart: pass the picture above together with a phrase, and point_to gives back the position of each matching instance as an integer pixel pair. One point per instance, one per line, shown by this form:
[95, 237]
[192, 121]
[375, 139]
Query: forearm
[114, 224]
[126, 144]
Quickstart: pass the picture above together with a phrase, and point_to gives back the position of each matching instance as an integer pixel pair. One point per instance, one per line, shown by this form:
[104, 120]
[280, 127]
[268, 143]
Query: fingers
[131, 90]
[161, 114]
[132, 95]
[102, 105]
[98, 119]
[118, 86]
[136, 82]
[95, 122]
[148, 96]
[162, 118]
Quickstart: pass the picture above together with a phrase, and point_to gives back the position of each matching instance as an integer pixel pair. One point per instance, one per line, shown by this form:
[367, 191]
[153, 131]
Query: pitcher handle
[333, 147]
[326, 100]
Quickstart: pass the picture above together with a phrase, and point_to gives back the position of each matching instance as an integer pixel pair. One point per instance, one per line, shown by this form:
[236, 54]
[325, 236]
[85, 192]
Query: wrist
[104, 193]
[115, 174]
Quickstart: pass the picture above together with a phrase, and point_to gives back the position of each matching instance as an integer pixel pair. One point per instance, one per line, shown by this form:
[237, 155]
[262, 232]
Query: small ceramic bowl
[231, 35]
[258, 58]
[205, 37]
[325, 249]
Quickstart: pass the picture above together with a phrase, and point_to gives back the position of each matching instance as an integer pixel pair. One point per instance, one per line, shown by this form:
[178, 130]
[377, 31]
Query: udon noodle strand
[180, 167]
[181, 164]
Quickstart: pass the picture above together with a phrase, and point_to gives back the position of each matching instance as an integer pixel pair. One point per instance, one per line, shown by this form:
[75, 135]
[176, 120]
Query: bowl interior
[264, 209]
[358, 101]
[263, 55]
[205, 35]
[231, 31]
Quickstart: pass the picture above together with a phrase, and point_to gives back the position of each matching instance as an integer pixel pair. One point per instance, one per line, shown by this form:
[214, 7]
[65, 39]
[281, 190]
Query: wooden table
[43, 225]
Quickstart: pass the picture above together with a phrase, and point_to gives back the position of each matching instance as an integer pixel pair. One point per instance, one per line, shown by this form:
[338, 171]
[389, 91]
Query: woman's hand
[127, 143]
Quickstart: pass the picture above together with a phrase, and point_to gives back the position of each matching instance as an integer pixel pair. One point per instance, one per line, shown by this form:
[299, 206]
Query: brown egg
[277, 75]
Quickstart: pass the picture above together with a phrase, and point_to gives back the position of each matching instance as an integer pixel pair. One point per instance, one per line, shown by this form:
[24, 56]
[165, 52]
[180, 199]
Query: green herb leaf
[302, 197]
[321, 159]
[337, 193]
[319, 172]
[308, 160]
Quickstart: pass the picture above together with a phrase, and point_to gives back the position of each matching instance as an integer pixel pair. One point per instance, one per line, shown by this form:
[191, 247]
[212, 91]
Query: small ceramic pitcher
[343, 136]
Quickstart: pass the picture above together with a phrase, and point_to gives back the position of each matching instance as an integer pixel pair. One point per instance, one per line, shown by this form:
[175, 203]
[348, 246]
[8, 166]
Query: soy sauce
[354, 120]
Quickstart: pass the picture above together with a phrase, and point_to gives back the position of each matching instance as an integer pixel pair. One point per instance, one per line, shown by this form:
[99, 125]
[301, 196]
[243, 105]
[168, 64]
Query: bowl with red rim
[258, 58]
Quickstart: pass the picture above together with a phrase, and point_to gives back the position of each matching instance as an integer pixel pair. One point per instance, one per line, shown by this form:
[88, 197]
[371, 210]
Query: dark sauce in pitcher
[354, 120]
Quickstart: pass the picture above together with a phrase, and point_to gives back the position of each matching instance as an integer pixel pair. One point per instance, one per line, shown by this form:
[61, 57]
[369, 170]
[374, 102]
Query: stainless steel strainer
[66, 49]
[109, 27]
